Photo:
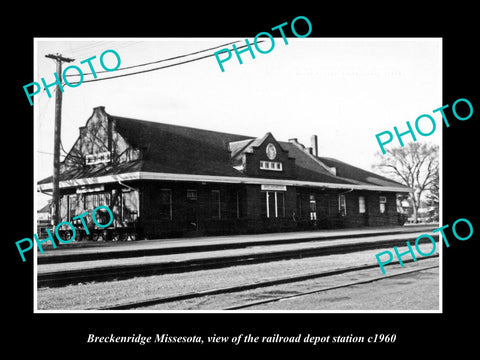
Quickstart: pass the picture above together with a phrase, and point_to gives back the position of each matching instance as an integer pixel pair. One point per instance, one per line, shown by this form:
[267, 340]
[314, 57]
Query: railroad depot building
[165, 180]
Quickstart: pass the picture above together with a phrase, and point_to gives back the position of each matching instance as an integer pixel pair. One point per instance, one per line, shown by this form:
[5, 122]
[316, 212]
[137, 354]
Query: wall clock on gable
[271, 151]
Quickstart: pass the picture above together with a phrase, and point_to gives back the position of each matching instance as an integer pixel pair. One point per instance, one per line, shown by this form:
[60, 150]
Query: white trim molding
[144, 175]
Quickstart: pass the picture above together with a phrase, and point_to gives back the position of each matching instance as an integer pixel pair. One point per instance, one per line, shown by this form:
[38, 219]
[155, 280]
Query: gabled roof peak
[246, 146]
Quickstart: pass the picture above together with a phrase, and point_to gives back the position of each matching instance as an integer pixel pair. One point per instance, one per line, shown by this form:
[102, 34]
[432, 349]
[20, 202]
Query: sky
[344, 90]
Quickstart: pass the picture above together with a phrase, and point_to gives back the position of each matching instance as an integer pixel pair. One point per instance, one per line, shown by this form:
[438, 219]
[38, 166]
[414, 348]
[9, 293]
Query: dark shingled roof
[179, 149]
[184, 150]
[307, 169]
[352, 172]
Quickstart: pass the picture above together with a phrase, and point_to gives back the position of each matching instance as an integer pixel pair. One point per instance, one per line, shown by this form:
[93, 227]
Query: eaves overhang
[143, 175]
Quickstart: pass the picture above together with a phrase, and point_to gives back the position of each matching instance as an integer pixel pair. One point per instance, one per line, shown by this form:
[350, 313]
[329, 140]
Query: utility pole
[57, 132]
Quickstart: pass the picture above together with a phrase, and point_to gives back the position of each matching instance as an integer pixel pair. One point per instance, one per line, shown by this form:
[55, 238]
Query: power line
[158, 61]
[154, 69]
[99, 48]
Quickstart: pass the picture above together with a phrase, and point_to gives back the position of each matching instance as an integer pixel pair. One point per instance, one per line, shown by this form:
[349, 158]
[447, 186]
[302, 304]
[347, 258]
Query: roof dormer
[262, 157]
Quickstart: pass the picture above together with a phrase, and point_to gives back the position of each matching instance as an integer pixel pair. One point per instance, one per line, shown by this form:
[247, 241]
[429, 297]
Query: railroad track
[55, 257]
[267, 283]
[119, 272]
[353, 283]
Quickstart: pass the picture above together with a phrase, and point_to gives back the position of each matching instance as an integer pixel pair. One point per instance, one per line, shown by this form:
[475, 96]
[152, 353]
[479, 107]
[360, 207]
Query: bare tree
[433, 197]
[414, 165]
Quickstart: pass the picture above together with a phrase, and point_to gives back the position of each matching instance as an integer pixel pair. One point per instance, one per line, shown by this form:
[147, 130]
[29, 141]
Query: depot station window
[271, 165]
[383, 201]
[342, 205]
[361, 205]
[215, 205]
[165, 204]
[272, 204]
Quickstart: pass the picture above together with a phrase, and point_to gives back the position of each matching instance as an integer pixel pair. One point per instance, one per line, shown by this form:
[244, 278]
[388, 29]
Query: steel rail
[118, 272]
[279, 298]
[247, 286]
[129, 253]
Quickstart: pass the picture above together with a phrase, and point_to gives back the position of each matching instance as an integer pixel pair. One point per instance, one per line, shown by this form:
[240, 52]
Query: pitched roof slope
[178, 149]
[357, 174]
[307, 169]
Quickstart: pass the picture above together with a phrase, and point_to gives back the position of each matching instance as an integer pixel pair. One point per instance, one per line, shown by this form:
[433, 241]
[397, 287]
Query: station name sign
[92, 159]
[274, 187]
[89, 189]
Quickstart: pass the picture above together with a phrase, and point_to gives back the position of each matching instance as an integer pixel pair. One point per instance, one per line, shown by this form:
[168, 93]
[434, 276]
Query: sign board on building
[274, 187]
[88, 189]
[92, 159]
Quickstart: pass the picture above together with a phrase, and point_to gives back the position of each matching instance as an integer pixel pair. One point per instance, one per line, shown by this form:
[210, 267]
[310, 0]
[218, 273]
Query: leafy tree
[414, 165]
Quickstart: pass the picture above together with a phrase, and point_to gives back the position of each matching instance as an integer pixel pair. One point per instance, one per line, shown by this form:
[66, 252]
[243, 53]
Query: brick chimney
[314, 144]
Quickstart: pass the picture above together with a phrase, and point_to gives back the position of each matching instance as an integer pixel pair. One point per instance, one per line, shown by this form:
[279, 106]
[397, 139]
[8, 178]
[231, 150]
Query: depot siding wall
[389, 217]
[246, 216]
[328, 213]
